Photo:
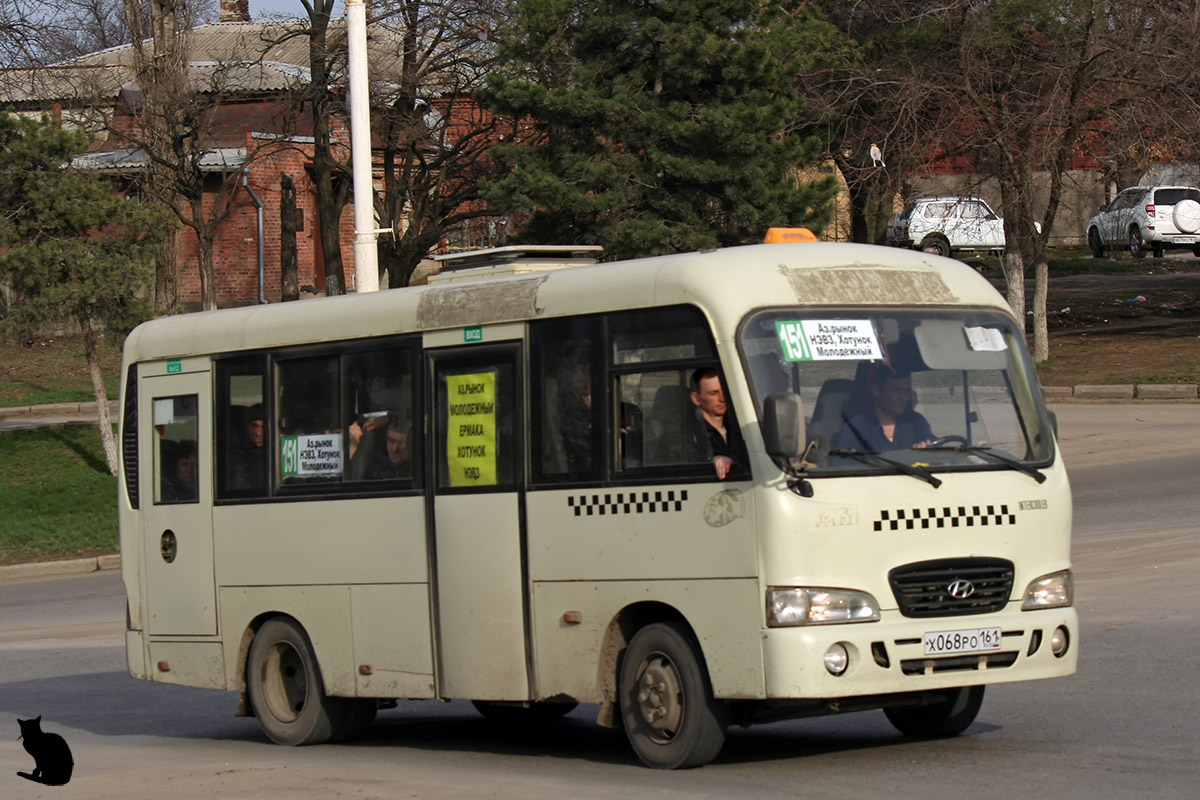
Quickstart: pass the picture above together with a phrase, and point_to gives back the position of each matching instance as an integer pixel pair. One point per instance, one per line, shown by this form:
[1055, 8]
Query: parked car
[944, 225]
[1148, 218]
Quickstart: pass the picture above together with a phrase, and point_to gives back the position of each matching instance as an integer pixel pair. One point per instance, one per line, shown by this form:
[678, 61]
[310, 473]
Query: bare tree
[325, 54]
[434, 136]
[180, 114]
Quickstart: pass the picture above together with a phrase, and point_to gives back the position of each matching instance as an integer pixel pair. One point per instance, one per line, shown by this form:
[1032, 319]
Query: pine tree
[72, 250]
[659, 127]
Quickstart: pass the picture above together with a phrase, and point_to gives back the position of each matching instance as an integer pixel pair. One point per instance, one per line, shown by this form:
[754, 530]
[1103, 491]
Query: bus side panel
[725, 615]
[391, 639]
[699, 530]
[376, 540]
[323, 612]
[200, 664]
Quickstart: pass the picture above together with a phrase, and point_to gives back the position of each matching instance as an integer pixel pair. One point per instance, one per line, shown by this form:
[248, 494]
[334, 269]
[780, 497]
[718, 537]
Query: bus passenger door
[478, 540]
[176, 488]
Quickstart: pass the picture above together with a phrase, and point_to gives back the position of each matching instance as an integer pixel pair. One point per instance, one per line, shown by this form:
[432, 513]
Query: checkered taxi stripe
[945, 517]
[627, 503]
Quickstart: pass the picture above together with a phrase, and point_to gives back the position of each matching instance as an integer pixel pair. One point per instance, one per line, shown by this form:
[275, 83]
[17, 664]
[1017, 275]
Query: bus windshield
[931, 389]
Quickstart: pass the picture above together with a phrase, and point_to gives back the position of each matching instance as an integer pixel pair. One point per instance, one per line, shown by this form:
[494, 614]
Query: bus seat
[667, 433]
[632, 431]
[834, 406]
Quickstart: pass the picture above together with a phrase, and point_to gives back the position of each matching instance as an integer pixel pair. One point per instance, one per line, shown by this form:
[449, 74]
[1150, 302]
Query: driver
[889, 423]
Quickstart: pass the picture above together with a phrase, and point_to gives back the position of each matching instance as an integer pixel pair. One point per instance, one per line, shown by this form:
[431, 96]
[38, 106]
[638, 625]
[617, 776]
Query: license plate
[1184, 240]
[940, 643]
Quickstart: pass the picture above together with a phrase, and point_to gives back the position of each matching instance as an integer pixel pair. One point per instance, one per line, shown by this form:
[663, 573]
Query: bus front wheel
[940, 720]
[284, 683]
[667, 706]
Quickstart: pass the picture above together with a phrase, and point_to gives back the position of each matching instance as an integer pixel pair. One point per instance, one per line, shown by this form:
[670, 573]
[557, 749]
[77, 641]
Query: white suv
[1148, 218]
[943, 225]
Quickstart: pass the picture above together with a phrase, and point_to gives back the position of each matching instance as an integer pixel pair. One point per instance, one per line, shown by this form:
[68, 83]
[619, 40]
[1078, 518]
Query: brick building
[258, 133]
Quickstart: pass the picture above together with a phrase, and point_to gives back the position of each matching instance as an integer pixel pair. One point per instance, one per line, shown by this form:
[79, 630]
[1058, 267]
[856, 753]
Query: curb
[46, 569]
[1122, 392]
[82, 411]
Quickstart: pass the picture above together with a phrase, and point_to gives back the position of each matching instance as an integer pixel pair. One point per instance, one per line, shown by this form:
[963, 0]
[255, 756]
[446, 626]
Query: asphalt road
[1125, 726]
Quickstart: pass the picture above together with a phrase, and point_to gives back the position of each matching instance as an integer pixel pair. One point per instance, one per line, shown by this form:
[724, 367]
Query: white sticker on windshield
[986, 339]
[828, 339]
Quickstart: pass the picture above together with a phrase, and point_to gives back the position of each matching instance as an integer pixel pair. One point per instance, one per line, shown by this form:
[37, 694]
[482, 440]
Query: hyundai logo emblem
[962, 589]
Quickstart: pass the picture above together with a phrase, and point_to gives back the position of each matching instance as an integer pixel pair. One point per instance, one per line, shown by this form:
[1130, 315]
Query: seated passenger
[179, 478]
[395, 461]
[888, 423]
[248, 462]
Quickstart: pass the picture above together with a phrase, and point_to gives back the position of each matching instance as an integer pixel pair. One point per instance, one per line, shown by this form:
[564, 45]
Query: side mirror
[783, 425]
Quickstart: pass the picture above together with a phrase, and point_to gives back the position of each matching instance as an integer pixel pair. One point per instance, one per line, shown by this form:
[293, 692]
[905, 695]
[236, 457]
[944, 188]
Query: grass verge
[58, 498]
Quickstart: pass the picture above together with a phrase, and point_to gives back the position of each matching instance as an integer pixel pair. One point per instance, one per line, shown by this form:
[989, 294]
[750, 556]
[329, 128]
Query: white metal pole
[366, 257]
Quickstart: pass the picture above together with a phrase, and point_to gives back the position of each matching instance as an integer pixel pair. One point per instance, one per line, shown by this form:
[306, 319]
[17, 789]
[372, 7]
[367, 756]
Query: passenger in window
[724, 443]
[889, 422]
[577, 424]
[357, 431]
[249, 457]
[395, 462]
[179, 480]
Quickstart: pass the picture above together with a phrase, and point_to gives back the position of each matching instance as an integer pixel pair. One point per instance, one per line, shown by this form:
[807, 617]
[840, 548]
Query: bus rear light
[572, 617]
[163, 666]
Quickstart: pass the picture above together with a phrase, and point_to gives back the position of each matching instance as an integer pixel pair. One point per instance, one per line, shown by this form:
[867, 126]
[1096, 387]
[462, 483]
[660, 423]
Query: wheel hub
[660, 698]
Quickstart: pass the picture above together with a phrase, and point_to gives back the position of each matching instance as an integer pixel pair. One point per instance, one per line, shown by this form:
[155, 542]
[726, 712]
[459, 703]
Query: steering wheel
[943, 440]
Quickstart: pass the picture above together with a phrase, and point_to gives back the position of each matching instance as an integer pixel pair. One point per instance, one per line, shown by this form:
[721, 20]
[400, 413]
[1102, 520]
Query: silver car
[1145, 219]
[944, 225]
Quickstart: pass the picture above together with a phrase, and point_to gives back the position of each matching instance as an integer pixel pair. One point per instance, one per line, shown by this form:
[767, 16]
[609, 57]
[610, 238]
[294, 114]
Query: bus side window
[241, 427]
[175, 432]
[567, 426]
[309, 431]
[377, 415]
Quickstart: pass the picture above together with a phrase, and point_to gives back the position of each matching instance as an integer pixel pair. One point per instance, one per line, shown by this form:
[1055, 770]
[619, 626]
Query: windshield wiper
[876, 458]
[985, 450]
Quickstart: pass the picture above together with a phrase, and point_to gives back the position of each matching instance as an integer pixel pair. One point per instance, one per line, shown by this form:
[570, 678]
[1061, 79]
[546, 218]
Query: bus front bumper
[890, 656]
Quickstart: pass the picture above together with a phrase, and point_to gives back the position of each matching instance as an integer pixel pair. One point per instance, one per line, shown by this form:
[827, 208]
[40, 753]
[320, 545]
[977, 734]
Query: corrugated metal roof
[129, 159]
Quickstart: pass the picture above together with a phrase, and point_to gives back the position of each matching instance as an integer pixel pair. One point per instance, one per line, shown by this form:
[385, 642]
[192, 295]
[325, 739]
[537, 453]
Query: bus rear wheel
[285, 687]
[941, 720]
[667, 706]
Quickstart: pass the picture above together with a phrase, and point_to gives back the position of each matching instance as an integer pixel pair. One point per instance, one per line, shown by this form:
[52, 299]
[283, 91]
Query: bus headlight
[793, 605]
[1055, 590]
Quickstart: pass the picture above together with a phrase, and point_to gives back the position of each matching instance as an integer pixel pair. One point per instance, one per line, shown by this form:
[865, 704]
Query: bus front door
[478, 540]
[176, 476]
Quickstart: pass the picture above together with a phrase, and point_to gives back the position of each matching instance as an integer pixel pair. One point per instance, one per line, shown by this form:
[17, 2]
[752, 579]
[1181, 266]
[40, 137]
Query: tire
[941, 720]
[937, 245]
[285, 688]
[1158, 250]
[516, 714]
[1186, 216]
[667, 707]
[1095, 244]
[1136, 246]
[1196, 252]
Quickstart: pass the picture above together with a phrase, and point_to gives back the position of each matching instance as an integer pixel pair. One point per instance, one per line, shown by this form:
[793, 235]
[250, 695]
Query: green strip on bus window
[174, 365]
[828, 340]
[473, 334]
[471, 429]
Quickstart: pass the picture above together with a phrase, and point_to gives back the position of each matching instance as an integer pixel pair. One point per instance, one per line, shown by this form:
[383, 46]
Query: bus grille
[924, 589]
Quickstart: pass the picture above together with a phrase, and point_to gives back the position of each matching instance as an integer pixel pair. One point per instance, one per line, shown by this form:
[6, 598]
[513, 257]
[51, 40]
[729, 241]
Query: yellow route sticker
[471, 429]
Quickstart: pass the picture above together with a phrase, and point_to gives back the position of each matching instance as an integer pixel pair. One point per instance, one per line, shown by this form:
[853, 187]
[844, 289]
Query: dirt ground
[1129, 328]
[1139, 327]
